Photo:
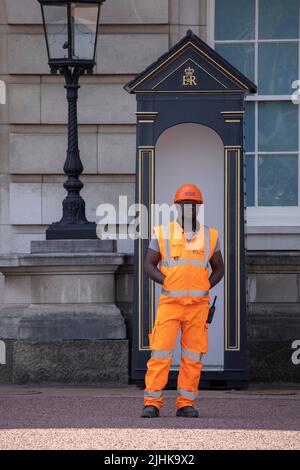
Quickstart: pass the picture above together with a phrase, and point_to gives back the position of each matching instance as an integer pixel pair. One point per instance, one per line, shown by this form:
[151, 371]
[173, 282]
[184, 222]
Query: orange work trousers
[172, 314]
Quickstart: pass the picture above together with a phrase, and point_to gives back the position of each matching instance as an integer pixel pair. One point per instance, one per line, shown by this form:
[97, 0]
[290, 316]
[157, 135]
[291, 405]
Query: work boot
[150, 411]
[187, 412]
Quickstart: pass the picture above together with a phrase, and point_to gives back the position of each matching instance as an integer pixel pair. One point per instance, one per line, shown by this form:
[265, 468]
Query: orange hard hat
[188, 191]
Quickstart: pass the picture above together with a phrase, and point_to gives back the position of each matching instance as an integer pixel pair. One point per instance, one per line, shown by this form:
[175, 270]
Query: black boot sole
[156, 416]
[182, 415]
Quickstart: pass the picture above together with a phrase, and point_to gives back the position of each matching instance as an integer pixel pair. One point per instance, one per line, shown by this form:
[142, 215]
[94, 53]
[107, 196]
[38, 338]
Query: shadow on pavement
[32, 409]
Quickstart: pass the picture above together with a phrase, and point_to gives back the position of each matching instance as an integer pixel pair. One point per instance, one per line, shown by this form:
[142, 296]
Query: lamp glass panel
[56, 23]
[84, 28]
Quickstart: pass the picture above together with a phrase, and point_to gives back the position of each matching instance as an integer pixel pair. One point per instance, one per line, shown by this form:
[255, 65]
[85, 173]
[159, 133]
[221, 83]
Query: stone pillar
[59, 318]
[187, 14]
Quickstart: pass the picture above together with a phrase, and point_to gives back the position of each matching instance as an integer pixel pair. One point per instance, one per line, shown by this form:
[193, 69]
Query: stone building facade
[38, 287]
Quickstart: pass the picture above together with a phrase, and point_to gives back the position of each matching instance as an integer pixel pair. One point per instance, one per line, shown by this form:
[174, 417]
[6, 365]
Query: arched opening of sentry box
[194, 153]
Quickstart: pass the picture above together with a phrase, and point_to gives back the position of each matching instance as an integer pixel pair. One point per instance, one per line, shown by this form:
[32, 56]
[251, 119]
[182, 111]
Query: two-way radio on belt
[211, 311]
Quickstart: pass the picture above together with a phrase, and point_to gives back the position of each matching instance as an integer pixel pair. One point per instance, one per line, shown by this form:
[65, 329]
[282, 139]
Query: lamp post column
[73, 223]
[73, 204]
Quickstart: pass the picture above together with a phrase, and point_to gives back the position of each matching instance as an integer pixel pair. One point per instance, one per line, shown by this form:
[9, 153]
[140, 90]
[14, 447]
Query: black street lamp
[71, 29]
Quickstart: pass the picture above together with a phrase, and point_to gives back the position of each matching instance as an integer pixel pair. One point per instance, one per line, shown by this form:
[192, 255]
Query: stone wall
[33, 122]
[273, 315]
[133, 33]
[273, 319]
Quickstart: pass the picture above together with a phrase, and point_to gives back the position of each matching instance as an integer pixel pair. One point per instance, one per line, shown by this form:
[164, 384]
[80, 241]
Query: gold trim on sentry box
[228, 346]
[196, 92]
[189, 43]
[150, 151]
[238, 227]
[151, 223]
[140, 248]
[196, 63]
[146, 147]
[236, 346]
[146, 115]
[232, 112]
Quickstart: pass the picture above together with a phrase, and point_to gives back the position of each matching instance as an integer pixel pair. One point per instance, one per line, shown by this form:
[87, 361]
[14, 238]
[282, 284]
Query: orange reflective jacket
[185, 264]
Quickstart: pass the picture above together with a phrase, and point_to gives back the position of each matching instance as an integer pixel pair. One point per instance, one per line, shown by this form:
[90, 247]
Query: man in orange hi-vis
[183, 247]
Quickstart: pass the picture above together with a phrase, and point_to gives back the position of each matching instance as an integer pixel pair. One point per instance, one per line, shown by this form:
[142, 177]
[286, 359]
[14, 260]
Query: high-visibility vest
[185, 264]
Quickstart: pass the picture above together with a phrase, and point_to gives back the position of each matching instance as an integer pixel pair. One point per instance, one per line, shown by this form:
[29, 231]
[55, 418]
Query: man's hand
[217, 267]
[151, 261]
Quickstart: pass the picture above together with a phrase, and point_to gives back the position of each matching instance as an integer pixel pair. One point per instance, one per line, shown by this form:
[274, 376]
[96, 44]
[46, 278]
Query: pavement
[108, 418]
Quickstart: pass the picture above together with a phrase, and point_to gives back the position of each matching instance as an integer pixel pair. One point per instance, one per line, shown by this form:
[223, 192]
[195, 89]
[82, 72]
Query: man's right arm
[151, 261]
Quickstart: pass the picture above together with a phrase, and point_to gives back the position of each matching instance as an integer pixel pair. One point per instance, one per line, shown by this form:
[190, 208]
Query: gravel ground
[108, 418]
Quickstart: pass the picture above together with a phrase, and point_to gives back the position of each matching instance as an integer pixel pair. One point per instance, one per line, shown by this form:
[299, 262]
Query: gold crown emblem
[189, 71]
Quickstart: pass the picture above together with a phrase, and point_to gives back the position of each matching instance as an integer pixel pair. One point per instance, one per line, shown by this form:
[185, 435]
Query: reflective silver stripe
[174, 293]
[166, 236]
[161, 353]
[184, 293]
[173, 262]
[207, 243]
[167, 250]
[187, 393]
[182, 261]
[191, 355]
[199, 293]
[197, 262]
[155, 394]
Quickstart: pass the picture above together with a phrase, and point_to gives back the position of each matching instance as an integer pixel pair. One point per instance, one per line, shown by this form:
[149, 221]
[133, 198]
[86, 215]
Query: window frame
[262, 216]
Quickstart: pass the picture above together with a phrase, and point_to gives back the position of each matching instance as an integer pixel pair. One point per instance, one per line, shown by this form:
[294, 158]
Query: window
[261, 39]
